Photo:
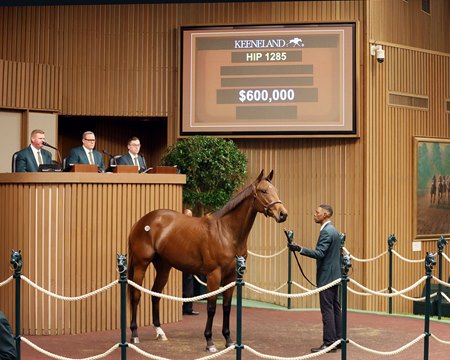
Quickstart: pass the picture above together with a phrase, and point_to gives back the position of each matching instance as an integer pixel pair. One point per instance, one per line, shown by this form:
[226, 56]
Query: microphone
[56, 149]
[110, 155]
[50, 146]
[143, 161]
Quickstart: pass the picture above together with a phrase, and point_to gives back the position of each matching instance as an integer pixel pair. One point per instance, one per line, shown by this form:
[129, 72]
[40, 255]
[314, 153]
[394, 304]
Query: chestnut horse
[201, 246]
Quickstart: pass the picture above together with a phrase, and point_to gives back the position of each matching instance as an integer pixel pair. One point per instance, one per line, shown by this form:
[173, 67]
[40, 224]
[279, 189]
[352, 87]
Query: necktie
[40, 161]
[91, 158]
[136, 161]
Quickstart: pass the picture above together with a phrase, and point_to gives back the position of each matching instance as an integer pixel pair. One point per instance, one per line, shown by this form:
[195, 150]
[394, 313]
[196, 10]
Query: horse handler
[327, 254]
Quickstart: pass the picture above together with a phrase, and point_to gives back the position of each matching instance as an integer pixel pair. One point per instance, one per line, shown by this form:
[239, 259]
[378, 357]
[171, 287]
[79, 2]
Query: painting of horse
[206, 245]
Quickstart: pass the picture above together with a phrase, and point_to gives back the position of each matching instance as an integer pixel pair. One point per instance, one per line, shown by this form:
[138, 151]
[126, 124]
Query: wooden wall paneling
[43, 251]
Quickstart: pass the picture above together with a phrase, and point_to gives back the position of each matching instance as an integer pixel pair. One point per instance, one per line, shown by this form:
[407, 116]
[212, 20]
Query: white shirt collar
[324, 224]
[132, 155]
[87, 151]
[34, 149]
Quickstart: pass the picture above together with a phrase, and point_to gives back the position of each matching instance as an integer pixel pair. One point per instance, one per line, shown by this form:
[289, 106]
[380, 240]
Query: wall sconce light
[377, 50]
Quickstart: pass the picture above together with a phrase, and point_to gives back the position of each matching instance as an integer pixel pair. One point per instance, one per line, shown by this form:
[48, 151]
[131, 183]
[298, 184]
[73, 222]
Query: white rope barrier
[55, 356]
[145, 354]
[191, 299]
[364, 260]
[407, 260]
[155, 357]
[440, 340]
[3, 283]
[364, 293]
[414, 298]
[303, 357]
[267, 256]
[310, 292]
[445, 257]
[445, 297]
[368, 292]
[68, 298]
[388, 353]
[441, 282]
[417, 283]
[299, 286]
[199, 281]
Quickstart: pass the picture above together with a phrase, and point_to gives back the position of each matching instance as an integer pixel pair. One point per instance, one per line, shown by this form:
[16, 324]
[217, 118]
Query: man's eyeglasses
[90, 140]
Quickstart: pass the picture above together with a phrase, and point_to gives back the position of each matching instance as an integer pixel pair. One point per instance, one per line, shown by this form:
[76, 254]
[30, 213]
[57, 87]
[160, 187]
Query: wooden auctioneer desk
[70, 227]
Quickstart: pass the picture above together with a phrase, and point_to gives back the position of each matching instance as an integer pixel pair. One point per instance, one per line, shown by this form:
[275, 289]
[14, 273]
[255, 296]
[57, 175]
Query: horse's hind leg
[162, 275]
[211, 310]
[212, 285]
[135, 297]
[227, 296]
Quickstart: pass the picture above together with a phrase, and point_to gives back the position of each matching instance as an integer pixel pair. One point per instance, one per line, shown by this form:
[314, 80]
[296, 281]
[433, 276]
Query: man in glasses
[133, 157]
[86, 154]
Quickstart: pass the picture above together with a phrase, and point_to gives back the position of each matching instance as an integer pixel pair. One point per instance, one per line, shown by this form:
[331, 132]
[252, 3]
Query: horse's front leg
[227, 297]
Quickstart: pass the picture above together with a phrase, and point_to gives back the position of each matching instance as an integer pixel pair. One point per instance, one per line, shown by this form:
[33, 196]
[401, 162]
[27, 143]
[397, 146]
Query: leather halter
[266, 207]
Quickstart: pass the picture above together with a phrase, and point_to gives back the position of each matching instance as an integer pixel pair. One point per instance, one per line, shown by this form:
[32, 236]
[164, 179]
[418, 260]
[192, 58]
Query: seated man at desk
[133, 157]
[29, 159]
[86, 154]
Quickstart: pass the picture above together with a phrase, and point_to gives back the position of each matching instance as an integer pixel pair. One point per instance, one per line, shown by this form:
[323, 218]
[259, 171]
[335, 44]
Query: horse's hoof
[211, 348]
[227, 345]
[162, 337]
[135, 340]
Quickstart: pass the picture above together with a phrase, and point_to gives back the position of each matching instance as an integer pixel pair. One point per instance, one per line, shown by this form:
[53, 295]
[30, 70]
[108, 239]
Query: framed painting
[432, 188]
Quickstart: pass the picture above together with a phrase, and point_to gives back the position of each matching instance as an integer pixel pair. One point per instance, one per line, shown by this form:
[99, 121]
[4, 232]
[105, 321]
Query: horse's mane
[235, 201]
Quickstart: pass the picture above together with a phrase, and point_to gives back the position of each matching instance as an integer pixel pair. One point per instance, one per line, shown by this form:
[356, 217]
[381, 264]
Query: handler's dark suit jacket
[26, 162]
[7, 343]
[78, 156]
[127, 160]
[328, 255]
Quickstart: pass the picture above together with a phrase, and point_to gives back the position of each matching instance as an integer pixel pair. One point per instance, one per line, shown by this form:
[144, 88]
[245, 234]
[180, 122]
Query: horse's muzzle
[280, 216]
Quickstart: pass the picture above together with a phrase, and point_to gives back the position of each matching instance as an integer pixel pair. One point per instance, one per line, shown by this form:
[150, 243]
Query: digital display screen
[268, 80]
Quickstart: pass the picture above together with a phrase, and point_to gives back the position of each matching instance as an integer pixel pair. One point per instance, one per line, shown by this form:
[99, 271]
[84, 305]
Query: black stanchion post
[289, 302]
[290, 238]
[441, 243]
[430, 261]
[16, 263]
[391, 241]
[122, 268]
[240, 270]
[346, 265]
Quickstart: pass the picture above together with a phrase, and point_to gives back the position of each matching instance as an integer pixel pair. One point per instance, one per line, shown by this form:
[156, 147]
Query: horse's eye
[264, 191]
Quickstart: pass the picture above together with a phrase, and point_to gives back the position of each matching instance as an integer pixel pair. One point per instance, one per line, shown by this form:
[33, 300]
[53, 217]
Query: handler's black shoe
[322, 347]
[192, 312]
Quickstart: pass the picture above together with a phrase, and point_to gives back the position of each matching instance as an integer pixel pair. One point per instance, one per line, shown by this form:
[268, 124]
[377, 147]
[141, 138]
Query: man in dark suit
[328, 256]
[86, 154]
[133, 157]
[188, 285]
[7, 343]
[29, 159]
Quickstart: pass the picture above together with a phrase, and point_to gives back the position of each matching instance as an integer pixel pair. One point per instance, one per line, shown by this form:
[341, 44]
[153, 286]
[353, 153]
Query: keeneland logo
[268, 43]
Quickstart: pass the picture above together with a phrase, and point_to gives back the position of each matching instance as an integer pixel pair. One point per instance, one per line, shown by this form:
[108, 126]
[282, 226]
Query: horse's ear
[260, 176]
[270, 176]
